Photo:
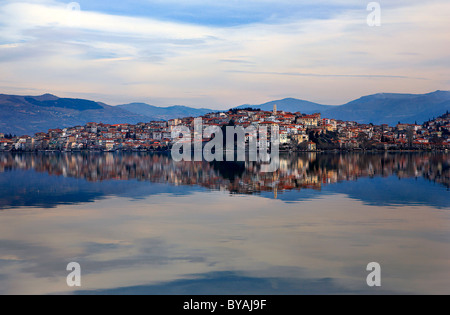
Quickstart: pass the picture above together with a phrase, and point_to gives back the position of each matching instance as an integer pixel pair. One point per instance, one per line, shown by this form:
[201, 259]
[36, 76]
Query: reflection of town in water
[296, 171]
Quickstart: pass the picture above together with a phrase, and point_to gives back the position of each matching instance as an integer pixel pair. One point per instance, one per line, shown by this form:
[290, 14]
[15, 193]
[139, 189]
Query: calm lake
[140, 223]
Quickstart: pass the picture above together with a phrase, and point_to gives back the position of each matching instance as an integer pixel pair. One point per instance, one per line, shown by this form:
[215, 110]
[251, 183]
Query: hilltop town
[298, 132]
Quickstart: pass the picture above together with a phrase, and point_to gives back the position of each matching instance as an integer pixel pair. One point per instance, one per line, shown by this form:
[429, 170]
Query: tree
[325, 141]
[363, 140]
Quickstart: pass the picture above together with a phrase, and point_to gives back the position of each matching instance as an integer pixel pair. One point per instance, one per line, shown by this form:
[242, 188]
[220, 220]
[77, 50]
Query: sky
[222, 53]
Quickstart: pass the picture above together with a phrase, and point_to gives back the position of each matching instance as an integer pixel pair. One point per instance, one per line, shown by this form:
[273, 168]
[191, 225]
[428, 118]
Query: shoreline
[281, 151]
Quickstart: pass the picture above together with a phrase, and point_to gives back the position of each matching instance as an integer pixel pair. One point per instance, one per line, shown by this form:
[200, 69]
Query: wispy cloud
[373, 76]
[219, 54]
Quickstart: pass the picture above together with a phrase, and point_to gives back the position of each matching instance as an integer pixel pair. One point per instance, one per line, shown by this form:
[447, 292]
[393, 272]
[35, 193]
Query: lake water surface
[140, 223]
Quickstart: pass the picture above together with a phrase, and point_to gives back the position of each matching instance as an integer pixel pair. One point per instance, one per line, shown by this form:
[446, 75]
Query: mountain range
[22, 115]
[30, 114]
[382, 108]
[164, 113]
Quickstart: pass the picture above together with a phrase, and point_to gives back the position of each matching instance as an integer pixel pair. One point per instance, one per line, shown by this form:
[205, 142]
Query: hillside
[30, 114]
[392, 108]
[164, 113]
[380, 108]
[291, 105]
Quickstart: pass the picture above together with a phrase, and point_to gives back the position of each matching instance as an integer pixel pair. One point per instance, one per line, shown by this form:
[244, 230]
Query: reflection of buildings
[297, 171]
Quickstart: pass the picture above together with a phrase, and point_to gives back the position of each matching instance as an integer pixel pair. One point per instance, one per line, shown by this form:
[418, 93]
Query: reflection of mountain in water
[45, 180]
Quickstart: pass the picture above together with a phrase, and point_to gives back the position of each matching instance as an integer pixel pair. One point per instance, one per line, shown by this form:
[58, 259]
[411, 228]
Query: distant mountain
[380, 108]
[30, 114]
[165, 113]
[290, 105]
[391, 108]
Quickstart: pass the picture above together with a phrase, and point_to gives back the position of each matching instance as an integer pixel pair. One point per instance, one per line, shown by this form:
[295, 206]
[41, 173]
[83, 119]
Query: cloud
[20, 16]
[326, 75]
[182, 56]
